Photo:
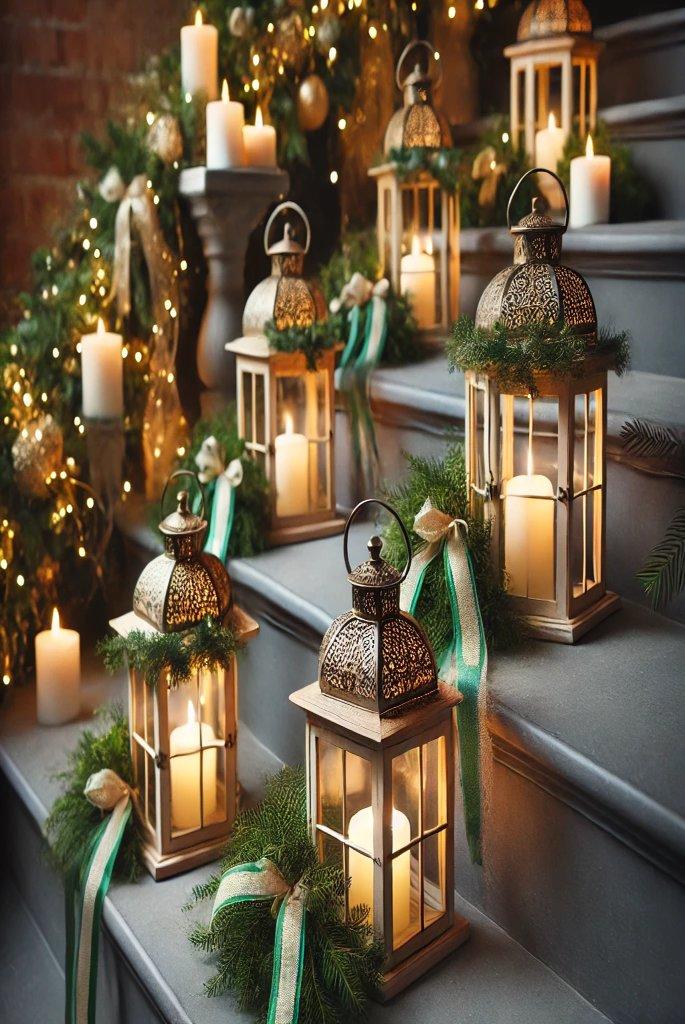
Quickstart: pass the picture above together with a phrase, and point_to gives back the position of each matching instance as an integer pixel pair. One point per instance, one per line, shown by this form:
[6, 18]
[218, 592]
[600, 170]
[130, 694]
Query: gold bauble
[312, 103]
[164, 138]
[37, 452]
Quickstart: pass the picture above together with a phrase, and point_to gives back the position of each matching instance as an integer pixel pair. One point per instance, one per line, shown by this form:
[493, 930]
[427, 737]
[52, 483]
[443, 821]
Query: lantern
[183, 740]
[417, 219]
[286, 409]
[553, 72]
[380, 762]
[537, 466]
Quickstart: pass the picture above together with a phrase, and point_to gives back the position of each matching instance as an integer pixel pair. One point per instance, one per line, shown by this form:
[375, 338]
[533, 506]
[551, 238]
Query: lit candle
[549, 145]
[102, 374]
[417, 278]
[360, 832]
[260, 142]
[185, 772]
[529, 509]
[58, 673]
[200, 58]
[225, 122]
[292, 474]
[590, 186]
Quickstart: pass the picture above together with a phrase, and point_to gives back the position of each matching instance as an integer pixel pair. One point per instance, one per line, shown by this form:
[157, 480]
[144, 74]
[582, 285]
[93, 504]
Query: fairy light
[334, 177]
[188, 98]
[124, 353]
[270, 27]
[184, 264]
[255, 59]
[82, 551]
[54, 289]
[82, 300]
[342, 124]
[155, 199]
[93, 222]
[13, 350]
[150, 118]
[127, 486]
[373, 31]
[96, 254]
[255, 84]
[332, 54]
[180, 451]
[86, 244]
[6, 679]
[505, 137]
[138, 357]
[451, 12]
[20, 580]
[16, 387]
[55, 353]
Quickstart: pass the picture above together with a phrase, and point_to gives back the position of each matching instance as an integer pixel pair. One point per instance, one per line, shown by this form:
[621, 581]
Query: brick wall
[63, 69]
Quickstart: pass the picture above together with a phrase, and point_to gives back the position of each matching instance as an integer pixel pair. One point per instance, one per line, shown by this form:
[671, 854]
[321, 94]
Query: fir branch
[649, 440]
[663, 574]
[311, 341]
[443, 164]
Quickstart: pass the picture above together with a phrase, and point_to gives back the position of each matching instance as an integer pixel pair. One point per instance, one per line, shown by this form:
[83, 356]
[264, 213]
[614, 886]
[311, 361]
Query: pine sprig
[73, 818]
[342, 958]
[443, 164]
[311, 341]
[650, 440]
[178, 655]
[663, 574]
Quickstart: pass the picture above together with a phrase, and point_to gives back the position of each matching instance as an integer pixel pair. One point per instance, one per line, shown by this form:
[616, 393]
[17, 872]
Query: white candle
[200, 58]
[417, 278]
[225, 122]
[58, 673]
[590, 187]
[549, 145]
[360, 832]
[102, 374]
[292, 472]
[185, 772]
[260, 142]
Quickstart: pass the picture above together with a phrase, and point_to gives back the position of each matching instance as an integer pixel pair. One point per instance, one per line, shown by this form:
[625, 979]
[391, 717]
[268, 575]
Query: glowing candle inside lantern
[185, 772]
[200, 58]
[360, 868]
[225, 121]
[58, 673]
[260, 142]
[417, 277]
[549, 145]
[590, 185]
[102, 374]
[292, 472]
[529, 510]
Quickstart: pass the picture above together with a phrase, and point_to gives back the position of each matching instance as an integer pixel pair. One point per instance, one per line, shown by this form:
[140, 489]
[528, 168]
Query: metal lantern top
[286, 296]
[417, 122]
[184, 585]
[537, 289]
[376, 656]
[544, 18]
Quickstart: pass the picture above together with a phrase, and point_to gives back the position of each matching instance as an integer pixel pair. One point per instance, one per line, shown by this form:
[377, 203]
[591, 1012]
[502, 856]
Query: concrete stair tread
[492, 980]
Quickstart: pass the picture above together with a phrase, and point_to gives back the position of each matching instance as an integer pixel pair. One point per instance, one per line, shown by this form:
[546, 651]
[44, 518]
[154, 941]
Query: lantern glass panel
[149, 699]
[386, 240]
[150, 792]
[253, 413]
[406, 777]
[529, 472]
[212, 704]
[330, 774]
[477, 427]
[434, 896]
[302, 457]
[406, 885]
[357, 785]
[586, 510]
[434, 791]
[138, 703]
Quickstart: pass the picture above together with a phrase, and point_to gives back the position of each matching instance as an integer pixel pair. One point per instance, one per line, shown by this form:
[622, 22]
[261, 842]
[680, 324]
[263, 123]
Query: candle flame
[198, 17]
[415, 247]
[589, 148]
[429, 247]
[551, 121]
[192, 717]
[288, 423]
[258, 119]
[224, 92]
[55, 620]
[101, 325]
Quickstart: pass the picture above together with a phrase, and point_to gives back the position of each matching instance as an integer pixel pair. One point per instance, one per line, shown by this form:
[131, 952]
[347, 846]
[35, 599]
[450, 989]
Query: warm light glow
[493, 165]
[224, 92]
[551, 121]
[529, 466]
[258, 119]
[589, 148]
[288, 423]
[192, 717]
[415, 246]
[55, 620]
[429, 247]
[101, 326]
[198, 17]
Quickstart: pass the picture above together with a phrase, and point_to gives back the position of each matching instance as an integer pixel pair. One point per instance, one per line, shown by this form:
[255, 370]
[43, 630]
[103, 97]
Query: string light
[150, 118]
[184, 264]
[86, 244]
[451, 12]
[342, 124]
[332, 54]
[373, 31]
[255, 59]
[127, 486]
[505, 137]
[334, 177]
[82, 300]
[93, 222]
[20, 580]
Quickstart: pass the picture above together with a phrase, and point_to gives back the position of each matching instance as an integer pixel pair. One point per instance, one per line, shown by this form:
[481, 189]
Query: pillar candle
[590, 186]
[529, 552]
[360, 832]
[185, 772]
[225, 121]
[260, 142]
[549, 145]
[292, 472]
[102, 374]
[200, 58]
[417, 278]
[58, 673]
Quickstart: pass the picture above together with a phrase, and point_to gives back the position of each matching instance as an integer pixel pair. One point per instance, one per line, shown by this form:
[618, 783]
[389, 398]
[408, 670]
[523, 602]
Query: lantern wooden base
[567, 631]
[305, 531]
[166, 865]
[396, 980]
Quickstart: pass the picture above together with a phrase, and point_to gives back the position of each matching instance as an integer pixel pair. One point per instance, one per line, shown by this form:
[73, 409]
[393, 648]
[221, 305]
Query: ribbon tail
[375, 334]
[352, 338]
[411, 589]
[221, 519]
[286, 980]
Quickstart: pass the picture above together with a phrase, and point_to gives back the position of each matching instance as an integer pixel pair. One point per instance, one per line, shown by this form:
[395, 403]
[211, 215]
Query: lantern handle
[391, 510]
[287, 205]
[174, 476]
[538, 170]
[406, 51]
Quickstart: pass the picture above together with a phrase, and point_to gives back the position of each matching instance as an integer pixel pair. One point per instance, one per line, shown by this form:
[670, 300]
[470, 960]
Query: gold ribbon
[485, 166]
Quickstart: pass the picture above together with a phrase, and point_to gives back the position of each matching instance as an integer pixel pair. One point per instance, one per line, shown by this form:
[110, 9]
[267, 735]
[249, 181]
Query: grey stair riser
[661, 161]
[644, 58]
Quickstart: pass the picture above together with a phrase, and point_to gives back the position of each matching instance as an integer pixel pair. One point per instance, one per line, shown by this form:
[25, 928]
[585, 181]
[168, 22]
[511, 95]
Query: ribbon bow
[87, 885]
[464, 661]
[262, 881]
[221, 481]
[486, 167]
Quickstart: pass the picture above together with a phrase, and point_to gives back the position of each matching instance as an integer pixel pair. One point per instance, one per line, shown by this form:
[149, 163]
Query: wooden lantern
[380, 771]
[183, 740]
[286, 409]
[553, 71]
[417, 219]
[537, 467]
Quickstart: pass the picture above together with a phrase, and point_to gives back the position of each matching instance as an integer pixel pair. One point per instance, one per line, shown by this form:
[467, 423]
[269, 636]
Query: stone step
[150, 973]
[644, 58]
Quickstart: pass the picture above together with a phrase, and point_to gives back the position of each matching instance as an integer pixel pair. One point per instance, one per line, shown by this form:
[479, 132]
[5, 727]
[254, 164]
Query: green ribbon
[86, 887]
[464, 661]
[220, 496]
[375, 335]
[261, 881]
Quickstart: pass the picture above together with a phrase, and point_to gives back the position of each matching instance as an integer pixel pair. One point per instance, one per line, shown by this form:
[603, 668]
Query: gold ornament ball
[164, 138]
[312, 103]
[37, 451]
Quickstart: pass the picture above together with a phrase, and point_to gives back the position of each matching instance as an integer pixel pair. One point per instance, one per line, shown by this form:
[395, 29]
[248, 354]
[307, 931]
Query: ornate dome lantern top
[418, 122]
[376, 655]
[544, 18]
[537, 289]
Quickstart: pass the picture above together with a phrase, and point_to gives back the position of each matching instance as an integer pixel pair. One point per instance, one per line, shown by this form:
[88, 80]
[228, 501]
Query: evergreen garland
[341, 959]
[311, 341]
[515, 357]
[204, 646]
[663, 574]
[444, 482]
[73, 818]
[514, 164]
[443, 164]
